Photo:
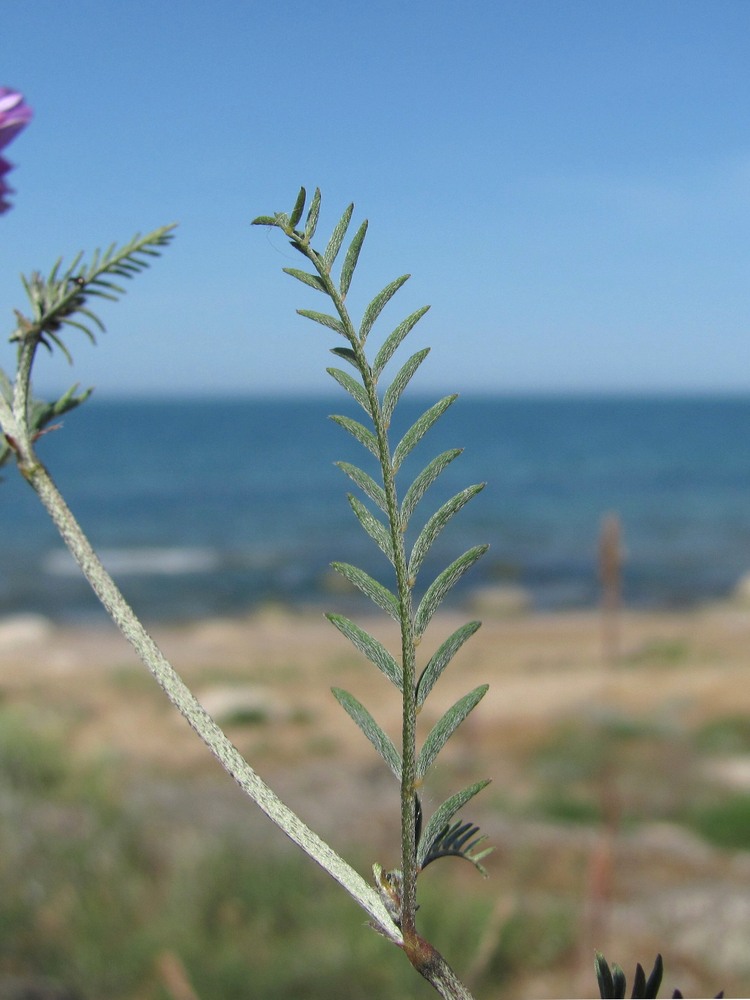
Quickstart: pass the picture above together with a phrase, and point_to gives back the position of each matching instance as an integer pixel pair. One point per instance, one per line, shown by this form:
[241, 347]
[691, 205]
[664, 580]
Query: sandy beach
[267, 678]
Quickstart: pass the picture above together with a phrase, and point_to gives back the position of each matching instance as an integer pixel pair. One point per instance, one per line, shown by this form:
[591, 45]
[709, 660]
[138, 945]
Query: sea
[205, 507]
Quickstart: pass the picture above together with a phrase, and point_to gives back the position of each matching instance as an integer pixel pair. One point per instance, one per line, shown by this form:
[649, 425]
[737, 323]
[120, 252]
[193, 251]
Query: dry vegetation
[620, 803]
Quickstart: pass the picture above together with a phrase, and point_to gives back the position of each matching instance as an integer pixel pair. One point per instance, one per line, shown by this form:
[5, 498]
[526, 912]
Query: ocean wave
[140, 561]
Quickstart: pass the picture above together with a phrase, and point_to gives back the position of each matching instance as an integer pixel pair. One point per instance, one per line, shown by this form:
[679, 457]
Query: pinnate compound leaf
[459, 840]
[613, 984]
[337, 238]
[392, 342]
[366, 483]
[350, 261]
[400, 382]
[440, 587]
[374, 650]
[313, 280]
[382, 743]
[56, 301]
[377, 593]
[443, 815]
[354, 388]
[378, 304]
[441, 658]
[436, 524]
[359, 431]
[424, 480]
[374, 528]
[312, 216]
[299, 207]
[44, 413]
[41, 413]
[324, 319]
[444, 728]
[418, 430]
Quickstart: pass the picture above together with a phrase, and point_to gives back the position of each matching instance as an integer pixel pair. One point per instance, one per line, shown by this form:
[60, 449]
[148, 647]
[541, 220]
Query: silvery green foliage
[386, 520]
[60, 302]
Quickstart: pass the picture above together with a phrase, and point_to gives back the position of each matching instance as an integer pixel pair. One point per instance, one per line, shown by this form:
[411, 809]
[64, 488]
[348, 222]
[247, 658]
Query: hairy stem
[431, 965]
[408, 667]
[188, 706]
[26, 354]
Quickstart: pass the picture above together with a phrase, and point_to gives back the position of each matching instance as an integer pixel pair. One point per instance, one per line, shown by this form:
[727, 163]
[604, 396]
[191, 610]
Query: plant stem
[423, 956]
[431, 965]
[188, 706]
[406, 617]
[408, 676]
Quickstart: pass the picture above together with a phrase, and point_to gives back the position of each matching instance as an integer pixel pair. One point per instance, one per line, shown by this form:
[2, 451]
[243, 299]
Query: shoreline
[553, 701]
[520, 645]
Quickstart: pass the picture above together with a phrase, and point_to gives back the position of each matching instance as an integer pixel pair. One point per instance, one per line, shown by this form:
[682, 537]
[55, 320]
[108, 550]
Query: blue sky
[567, 182]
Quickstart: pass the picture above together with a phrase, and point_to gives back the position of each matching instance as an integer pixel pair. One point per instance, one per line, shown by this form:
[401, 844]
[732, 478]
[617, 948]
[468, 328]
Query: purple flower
[14, 116]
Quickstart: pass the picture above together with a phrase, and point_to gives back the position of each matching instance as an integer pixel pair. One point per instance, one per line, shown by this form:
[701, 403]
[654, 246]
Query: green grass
[29, 760]
[93, 889]
[729, 734]
[640, 766]
[561, 808]
[660, 652]
[92, 892]
[725, 823]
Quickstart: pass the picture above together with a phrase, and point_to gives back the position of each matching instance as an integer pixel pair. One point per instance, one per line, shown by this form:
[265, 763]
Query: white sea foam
[140, 561]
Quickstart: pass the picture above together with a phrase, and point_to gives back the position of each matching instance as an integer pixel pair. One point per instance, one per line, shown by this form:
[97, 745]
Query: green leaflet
[76, 325]
[418, 430]
[347, 354]
[443, 815]
[366, 483]
[312, 216]
[350, 261]
[324, 319]
[299, 207]
[374, 528]
[382, 743]
[442, 584]
[354, 388]
[374, 650]
[377, 593]
[386, 352]
[424, 480]
[436, 524]
[360, 432]
[444, 728]
[306, 278]
[378, 304]
[337, 238]
[441, 658]
[400, 382]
